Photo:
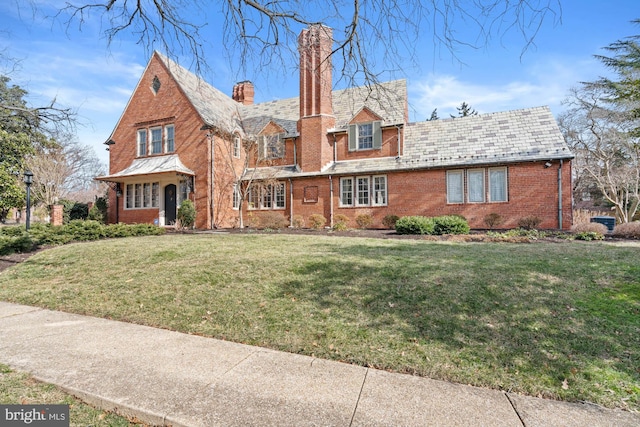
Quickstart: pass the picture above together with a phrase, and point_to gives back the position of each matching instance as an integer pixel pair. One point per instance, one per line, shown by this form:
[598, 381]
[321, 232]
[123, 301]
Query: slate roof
[488, 139]
[219, 110]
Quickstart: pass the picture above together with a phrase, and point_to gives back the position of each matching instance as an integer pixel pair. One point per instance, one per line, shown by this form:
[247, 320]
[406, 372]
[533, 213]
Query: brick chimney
[316, 107]
[243, 92]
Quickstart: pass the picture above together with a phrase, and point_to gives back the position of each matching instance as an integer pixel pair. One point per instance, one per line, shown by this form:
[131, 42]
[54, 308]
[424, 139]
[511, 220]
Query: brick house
[326, 152]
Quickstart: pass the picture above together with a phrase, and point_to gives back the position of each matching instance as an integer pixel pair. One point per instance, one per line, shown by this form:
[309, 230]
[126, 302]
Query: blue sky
[78, 69]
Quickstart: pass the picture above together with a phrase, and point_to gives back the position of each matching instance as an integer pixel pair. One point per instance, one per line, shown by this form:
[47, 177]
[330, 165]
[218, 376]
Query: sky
[76, 66]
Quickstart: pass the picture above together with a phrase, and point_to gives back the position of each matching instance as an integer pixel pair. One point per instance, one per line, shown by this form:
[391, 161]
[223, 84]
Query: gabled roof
[219, 110]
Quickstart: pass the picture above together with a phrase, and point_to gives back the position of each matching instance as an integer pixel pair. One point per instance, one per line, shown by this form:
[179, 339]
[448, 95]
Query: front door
[170, 204]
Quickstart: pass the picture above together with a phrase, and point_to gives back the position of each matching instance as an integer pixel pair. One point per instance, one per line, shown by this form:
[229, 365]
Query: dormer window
[271, 146]
[365, 136]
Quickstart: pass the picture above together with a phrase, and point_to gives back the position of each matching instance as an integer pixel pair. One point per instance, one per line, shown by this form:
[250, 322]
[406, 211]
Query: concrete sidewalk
[168, 378]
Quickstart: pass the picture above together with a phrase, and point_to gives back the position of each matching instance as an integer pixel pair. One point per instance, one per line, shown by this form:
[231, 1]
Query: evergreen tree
[434, 115]
[465, 110]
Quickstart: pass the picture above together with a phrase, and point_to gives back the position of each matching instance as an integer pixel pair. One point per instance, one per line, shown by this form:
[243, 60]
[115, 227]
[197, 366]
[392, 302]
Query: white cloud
[545, 83]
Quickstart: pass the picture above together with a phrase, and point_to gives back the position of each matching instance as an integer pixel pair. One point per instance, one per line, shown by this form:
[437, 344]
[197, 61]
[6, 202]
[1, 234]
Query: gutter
[560, 195]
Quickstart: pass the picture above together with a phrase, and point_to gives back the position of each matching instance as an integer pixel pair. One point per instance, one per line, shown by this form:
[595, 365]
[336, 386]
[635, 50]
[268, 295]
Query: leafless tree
[607, 153]
[61, 169]
[263, 33]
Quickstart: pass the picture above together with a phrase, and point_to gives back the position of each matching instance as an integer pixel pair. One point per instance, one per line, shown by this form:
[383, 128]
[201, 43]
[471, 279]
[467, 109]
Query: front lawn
[558, 320]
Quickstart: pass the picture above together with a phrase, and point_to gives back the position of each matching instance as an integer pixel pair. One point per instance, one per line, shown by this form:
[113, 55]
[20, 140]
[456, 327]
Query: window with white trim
[475, 185]
[498, 184]
[279, 199]
[478, 189]
[142, 195]
[271, 146]
[156, 140]
[346, 191]
[379, 190]
[142, 142]
[363, 191]
[365, 136]
[235, 197]
[169, 139]
[267, 197]
[236, 146]
[362, 188]
[455, 185]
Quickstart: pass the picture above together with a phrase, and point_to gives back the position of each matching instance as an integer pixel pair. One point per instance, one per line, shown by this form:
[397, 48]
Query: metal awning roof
[150, 166]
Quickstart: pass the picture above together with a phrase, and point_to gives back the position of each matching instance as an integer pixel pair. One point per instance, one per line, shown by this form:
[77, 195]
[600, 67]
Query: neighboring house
[327, 152]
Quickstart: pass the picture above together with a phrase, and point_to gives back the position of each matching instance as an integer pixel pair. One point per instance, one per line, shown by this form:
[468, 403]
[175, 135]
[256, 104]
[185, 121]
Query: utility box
[608, 221]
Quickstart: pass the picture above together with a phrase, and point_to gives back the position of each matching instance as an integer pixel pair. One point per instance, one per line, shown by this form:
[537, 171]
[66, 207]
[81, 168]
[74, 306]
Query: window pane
[280, 200]
[155, 191]
[236, 197]
[170, 139]
[142, 142]
[138, 196]
[129, 196]
[147, 195]
[236, 146]
[365, 136]
[379, 190]
[266, 197]
[454, 187]
[363, 191]
[156, 140]
[253, 198]
[498, 185]
[346, 191]
[476, 185]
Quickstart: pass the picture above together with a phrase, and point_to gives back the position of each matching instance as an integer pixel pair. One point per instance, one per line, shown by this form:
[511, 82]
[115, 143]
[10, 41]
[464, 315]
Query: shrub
[298, 221]
[20, 244]
[389, 221]
[73, 211]
[84, 230]
[364, 221]
[317, 221]
[493, 220]
[589, 235]
[187, 214]
[415, 225]
[272, 220]
[341, 222]
[629, 230]
[589, 227]
[450, 224]
[530, 222]
[95, 214]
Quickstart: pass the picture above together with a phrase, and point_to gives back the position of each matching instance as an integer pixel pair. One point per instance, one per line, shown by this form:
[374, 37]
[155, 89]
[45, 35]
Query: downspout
[295, 153]
[335, 150]
[399, 143]
[212, 209]
[291, 201]
[331, 200]
[560, 195]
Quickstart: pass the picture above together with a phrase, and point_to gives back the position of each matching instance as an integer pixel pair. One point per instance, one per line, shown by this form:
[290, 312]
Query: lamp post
[28, 179]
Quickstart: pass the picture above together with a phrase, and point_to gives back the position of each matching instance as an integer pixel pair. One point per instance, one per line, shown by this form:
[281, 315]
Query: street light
[28, 179]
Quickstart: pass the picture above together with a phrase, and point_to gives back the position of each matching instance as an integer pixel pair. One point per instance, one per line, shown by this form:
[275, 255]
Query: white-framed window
[236, 197]
[142, 142]
[363, 191]
[266, 201]
[253, 197]
[365, 136]
[498, 185]
[142, 195]
[362, 188]
[455, 185]
[137, 198]
[346, 191]
[475, 185]
[379, 190]
[156, 140]
[169, 139]
[236, 146]
[279, 199]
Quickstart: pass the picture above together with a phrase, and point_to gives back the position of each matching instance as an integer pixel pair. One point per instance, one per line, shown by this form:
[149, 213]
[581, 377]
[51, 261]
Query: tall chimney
[243, 92]
[316, 107]
[315, 45]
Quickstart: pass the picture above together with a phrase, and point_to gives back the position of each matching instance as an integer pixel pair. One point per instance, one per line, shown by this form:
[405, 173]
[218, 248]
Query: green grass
[19, 388]
[558, 320]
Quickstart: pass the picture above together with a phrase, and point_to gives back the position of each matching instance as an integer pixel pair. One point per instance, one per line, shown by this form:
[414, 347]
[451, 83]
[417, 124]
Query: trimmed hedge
[450, 224]
[415, 225]
[16, 239]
